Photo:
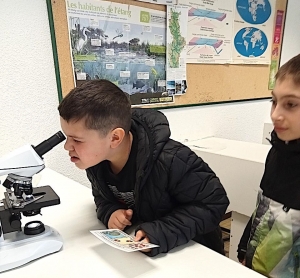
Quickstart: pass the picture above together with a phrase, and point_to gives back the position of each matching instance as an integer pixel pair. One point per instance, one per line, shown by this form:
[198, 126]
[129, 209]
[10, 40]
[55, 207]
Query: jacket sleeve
[105, 206]
[242, 247]
[200, 199]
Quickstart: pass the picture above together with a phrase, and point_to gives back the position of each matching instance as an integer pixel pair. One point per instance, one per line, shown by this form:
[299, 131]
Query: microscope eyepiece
[49, 143]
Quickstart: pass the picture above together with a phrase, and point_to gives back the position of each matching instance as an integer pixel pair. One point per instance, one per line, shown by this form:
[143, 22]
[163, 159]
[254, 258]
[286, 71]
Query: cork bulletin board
[206, 83]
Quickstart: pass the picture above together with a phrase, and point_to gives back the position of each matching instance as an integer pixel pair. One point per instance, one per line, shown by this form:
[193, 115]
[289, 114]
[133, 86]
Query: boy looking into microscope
[138, 174]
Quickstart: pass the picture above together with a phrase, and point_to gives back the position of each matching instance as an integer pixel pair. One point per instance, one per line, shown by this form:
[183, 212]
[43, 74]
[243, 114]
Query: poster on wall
[276, 48]
[160, 2]
[231, 31]
[210, 27]
[253, 31]
[122, 43]
[176, 49]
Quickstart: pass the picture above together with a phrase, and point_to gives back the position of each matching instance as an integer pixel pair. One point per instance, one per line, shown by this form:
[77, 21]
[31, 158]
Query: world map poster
[253, 29]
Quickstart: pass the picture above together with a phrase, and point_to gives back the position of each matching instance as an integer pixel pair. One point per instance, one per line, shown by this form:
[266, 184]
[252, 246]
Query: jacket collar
[289, 146]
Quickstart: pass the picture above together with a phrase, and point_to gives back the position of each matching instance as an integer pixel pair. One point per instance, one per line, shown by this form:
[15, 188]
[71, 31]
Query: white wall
[29, 98]
[238, 121]
[28, 111]
[291, 37]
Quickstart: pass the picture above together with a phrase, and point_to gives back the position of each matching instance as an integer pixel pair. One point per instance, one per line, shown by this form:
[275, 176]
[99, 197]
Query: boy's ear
[117, 136]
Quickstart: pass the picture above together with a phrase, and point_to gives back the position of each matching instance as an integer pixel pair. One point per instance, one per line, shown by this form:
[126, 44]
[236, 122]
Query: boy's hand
[120, 218]
[141, 236]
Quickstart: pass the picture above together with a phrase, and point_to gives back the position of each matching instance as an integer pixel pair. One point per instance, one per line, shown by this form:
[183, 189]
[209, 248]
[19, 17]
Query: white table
[83, 255]
[240, 167]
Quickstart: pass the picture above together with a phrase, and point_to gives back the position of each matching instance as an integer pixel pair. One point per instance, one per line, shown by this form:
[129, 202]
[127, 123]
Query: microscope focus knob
[15, 221]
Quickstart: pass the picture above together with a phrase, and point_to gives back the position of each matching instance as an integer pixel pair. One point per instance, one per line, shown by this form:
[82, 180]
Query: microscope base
[20, 249]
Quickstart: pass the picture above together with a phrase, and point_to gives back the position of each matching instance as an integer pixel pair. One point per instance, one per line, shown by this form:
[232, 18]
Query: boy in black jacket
[139, 174]
[271, 241]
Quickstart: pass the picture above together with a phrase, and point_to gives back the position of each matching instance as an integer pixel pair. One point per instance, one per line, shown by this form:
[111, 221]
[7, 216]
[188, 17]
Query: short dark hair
[291, 69]
[102, 104]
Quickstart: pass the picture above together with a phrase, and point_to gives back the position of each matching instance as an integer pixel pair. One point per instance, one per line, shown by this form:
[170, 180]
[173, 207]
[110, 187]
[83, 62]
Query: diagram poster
[122, 43]
[253, 31]
[210, 27]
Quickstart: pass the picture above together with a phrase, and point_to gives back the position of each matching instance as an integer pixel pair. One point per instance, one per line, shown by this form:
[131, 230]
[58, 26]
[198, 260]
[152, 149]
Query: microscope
[20, 245]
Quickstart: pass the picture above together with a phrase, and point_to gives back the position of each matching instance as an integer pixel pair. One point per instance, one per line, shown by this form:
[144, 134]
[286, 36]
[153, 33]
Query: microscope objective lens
[29, 197]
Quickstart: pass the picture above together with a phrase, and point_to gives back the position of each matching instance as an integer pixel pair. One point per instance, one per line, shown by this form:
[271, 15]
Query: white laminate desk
[83, 255]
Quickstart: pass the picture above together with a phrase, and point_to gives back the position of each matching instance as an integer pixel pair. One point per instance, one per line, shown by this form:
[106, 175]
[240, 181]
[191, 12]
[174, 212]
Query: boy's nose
[276, 114]
[68, 145]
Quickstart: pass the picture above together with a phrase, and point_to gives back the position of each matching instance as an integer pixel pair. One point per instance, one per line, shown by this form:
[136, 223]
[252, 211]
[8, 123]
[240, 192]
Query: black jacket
[280, 181]
[177, 196]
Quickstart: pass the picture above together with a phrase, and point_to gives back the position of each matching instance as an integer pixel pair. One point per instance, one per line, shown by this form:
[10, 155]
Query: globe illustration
[254, 11]
[250, 42]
